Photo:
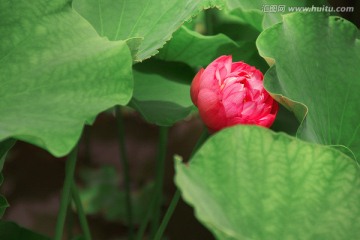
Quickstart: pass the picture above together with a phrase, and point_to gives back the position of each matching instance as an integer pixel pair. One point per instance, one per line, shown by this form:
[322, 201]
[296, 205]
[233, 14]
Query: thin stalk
[81, 213]
[176, 197]
[204, 135]
[159, 178]
[155, 203]
[125, 166]
[70, 222]
[65, 196]
[168, 215]
[146, 219]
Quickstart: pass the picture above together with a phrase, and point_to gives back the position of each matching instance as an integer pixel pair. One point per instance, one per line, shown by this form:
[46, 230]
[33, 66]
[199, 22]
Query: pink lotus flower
[228, 93]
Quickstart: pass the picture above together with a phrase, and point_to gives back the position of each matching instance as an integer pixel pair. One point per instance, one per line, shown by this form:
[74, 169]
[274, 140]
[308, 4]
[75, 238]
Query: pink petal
[210, 78]
[229, 93]
[211, 110]
[248, 109]
[195, 86]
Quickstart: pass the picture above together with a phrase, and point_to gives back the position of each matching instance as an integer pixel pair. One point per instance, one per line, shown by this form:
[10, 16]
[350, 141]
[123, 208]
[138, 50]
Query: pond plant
[275, 83]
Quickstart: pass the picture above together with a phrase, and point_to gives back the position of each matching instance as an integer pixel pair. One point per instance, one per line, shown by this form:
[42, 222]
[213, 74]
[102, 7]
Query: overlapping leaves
[196, 49]
[265, 13]
[152, 20]
[162, 91]
[264, 185]
[316, 59]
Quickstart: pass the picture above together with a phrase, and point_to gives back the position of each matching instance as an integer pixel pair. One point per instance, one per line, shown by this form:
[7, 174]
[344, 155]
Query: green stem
[168, 214]
[155, 203]
[125, 166]
[204, 135]
[159, 178]
[65, 196]
[145, 221]
[70, 222]
[176, 197]
[80, 210]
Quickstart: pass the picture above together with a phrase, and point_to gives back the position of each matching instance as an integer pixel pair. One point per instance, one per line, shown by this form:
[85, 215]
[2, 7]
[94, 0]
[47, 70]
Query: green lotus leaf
[265, 13]
[248, 182]
[162, 91]
[197, 50]
[56, 73]
[316, 72]
[152, 20]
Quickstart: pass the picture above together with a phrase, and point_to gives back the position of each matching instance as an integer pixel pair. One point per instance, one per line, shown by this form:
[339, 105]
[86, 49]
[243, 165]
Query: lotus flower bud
[228, 93]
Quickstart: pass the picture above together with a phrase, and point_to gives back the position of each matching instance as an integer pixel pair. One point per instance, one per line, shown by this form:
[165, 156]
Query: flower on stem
[229, 93]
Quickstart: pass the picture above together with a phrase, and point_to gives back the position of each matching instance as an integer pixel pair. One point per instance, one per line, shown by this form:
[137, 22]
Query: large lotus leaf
[56, 73]
[152, 20]
[265, 13]
[317, 61]
[12, 231]
[248, 182]
[161, 91]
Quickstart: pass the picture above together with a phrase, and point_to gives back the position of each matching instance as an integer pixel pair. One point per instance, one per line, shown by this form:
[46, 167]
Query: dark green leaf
[161, 92]
[197, 50]
[12, 231]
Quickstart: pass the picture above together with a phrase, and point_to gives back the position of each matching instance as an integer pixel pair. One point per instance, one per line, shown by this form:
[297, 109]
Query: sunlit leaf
[56, 73]
[247, 182]
[265, 13]
[152, 20]
[316, 69]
